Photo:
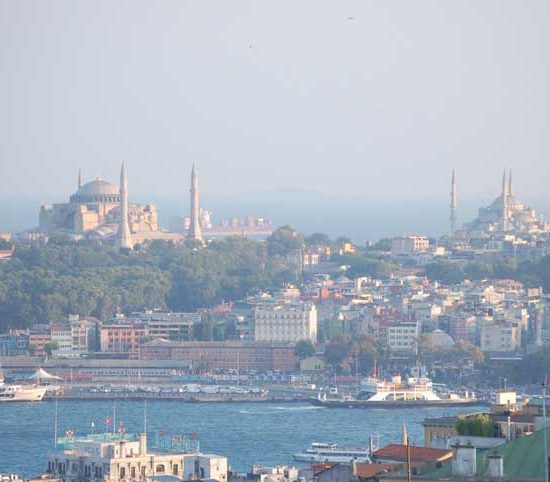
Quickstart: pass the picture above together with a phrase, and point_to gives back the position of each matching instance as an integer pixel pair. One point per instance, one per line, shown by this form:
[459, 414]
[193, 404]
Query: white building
[403, 337]
[113, 458]
[285, 322]
[497, 337]
[409, 245]
[83, 334]
[61, 334]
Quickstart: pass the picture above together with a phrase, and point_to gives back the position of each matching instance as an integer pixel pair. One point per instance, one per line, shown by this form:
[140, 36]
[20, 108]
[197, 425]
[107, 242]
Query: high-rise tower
[124, 234]
[454, 205]
[195, 231]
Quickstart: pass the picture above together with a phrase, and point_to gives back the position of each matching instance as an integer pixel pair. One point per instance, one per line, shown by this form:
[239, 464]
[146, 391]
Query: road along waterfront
[260, 433]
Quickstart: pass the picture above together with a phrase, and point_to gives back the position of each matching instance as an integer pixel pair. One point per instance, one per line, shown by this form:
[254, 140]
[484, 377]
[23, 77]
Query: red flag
[108, 421]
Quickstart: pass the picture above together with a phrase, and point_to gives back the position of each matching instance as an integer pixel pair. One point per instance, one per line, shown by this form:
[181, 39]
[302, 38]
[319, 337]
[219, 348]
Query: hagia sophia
[101, 210]
[96, 207]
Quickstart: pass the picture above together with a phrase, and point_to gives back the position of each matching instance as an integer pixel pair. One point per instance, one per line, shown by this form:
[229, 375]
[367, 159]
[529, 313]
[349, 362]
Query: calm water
[247, 433]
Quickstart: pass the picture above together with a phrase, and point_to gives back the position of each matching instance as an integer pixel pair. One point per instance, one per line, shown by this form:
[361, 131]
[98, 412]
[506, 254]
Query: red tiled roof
[418, 454]
[365, 471]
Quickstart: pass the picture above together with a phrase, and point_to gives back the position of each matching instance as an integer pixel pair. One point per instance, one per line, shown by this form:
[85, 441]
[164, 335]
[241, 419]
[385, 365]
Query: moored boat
[396, 393]
[332, 453]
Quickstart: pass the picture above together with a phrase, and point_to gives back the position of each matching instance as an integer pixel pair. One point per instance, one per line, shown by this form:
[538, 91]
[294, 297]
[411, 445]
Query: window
[122, 472]
[160, 469]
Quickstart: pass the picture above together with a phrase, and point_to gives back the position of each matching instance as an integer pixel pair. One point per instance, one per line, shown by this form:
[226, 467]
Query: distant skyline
[353, 100]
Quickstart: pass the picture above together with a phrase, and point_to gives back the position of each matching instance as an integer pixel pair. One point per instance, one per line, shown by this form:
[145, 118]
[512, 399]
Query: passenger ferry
[332, 453]
[20, 393]
[373, 392]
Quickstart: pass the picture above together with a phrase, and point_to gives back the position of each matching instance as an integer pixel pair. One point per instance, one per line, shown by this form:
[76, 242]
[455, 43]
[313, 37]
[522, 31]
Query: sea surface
[247, 433]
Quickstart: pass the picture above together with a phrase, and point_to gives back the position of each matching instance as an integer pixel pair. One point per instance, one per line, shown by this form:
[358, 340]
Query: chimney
[464, 460]
[496, 466]
[142, 444]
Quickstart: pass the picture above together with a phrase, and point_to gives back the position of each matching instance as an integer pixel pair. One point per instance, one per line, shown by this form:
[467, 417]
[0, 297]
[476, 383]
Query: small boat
[332, 453]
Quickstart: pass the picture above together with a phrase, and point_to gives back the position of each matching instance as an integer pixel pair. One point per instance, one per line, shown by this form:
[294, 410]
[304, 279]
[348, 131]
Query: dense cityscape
[274, 241]
[104, 310]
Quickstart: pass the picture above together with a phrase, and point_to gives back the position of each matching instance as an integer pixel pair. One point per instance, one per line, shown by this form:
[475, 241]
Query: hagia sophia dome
[97, 191]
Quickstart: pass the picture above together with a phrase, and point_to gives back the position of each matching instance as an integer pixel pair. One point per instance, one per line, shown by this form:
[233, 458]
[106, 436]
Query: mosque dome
[97, 191]
[441, 340]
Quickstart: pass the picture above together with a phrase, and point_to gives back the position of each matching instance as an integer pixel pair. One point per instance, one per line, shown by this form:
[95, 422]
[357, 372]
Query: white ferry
[20, 393]
[332, 453]
[377, 393]
[414, 389]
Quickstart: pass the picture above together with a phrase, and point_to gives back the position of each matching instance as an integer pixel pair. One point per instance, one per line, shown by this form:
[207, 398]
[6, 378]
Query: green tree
[283, 241]
[51, 347]
[318, 239]
[445, 272]
[479, 425]
[304, 349]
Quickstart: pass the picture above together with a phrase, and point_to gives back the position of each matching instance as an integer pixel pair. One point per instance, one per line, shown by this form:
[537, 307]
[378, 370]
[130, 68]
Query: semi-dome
[96, 191]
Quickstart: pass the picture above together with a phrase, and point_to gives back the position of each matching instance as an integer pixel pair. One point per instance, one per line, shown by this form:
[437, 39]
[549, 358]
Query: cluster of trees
[479, 425]
[350, 355]
[533, 273]
[43, 283]
[532, 369]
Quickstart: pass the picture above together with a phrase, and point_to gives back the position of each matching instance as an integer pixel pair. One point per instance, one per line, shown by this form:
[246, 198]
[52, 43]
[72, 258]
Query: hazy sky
[351, 98]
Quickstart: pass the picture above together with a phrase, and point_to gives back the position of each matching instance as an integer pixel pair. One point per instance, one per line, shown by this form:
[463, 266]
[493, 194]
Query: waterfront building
[62, 336]
[228, 355]
[14, 342]
[122, 458]
[121, 338]
[285, 322]
[169, 325]
[84, 334]
[39, 337]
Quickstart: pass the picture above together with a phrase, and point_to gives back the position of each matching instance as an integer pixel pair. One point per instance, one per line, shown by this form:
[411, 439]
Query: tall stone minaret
[195, 231]
[504, 202]
[453, 206]
[79, 182]
[510, 183]
[124, 234]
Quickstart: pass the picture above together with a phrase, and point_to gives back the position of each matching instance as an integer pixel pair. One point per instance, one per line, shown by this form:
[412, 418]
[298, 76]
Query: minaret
[194, 226]
[454, 205]
[124, 234]
[510, 183]
[79, 182]
[504, 201]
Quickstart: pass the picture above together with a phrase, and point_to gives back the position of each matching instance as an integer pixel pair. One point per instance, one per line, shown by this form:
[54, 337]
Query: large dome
[97, 191]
